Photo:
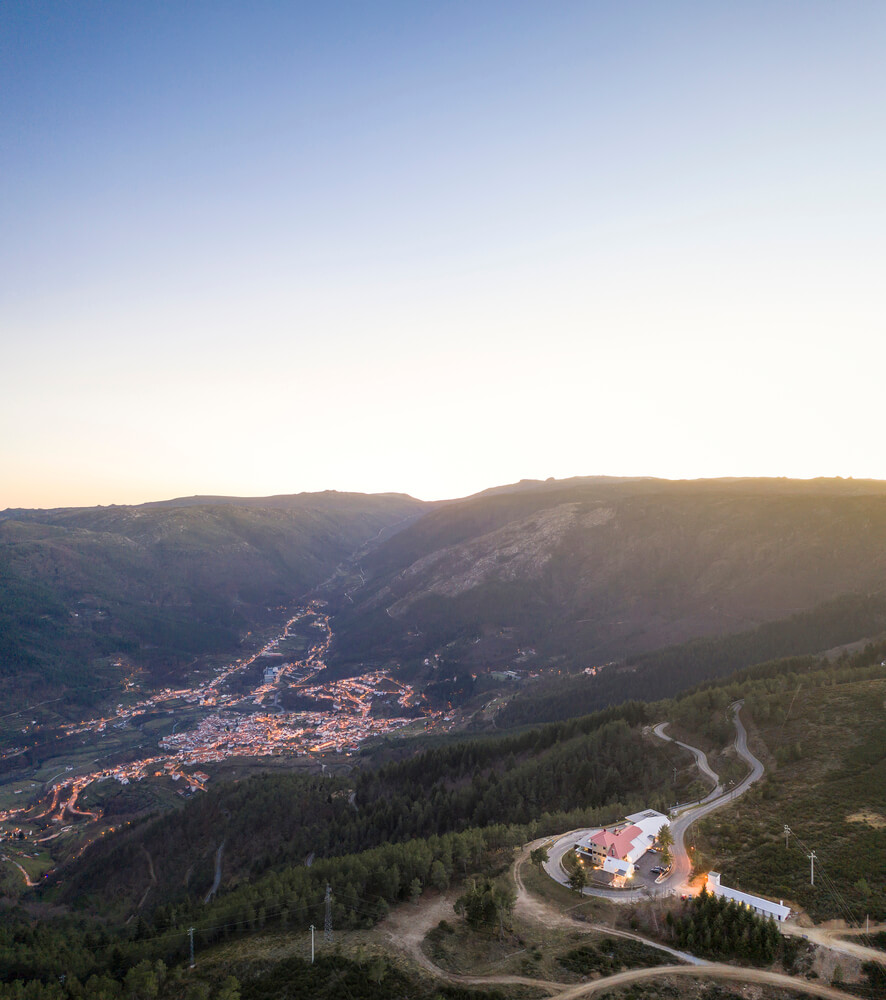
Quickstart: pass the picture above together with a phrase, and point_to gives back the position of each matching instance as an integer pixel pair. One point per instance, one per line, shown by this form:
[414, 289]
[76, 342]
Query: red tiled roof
[616, 844]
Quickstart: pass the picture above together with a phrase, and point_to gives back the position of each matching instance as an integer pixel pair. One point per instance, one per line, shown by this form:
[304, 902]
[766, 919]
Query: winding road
[701, 762]
[682, 866]
[678, 879]
[407, 928]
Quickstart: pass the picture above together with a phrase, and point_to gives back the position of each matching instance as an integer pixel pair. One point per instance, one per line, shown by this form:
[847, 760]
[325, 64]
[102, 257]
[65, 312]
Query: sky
[254, 248]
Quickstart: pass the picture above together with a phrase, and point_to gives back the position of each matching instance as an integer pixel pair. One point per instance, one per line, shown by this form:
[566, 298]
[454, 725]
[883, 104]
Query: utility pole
[327, 928]
[787, 833]
[811, 857]
[312, 944]
[675, 776]
[191, 936]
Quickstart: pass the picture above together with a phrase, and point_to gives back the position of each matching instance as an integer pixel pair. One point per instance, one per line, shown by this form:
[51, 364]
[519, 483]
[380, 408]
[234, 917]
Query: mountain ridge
[617, 568]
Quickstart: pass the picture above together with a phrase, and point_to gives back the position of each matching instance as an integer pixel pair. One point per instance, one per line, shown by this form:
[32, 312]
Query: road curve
[701, 761]
[678, 880]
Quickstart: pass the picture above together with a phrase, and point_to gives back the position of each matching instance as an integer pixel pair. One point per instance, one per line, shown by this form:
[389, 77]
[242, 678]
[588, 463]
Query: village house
[624, 843]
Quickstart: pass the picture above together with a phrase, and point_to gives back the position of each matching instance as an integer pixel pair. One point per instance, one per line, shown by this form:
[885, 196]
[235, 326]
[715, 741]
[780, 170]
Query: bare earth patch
[868, 816]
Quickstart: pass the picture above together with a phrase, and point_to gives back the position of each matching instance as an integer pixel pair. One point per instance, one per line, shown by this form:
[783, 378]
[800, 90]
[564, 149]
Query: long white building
[765, 907]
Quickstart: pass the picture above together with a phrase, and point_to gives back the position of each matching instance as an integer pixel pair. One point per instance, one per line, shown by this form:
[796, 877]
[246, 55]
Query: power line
[832, 889]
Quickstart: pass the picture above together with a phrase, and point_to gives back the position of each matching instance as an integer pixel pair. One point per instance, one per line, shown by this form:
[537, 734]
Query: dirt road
[407, 926]
[531, 908]
[834, 939]
[710, 971]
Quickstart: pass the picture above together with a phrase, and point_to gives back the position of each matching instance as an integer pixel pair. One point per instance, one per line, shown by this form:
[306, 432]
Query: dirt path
[151, 884]
[835, 941]
[710, 971]
[533, 909]
[407, 926]
[527, 905]
[216, 882]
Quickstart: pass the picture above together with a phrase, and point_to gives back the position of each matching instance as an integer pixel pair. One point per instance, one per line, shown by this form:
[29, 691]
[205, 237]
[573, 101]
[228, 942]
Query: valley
[443, 689]
[226, 717]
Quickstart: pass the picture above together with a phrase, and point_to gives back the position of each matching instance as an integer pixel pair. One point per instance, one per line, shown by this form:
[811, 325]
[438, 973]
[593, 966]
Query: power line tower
[787, 833]
[327, 927]
[811, 857]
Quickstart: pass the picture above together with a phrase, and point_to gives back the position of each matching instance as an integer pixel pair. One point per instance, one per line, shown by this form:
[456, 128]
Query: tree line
[596, 768]
[665, 673]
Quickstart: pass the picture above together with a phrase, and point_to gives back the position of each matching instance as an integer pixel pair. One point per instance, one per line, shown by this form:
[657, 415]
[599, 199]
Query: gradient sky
[253, 247]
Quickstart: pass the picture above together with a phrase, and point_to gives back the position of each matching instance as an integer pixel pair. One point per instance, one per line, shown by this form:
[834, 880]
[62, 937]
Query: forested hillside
[667, 672]
[822, 732]
[161, 583]
[583, 573]
[598, 767]
[380, 837]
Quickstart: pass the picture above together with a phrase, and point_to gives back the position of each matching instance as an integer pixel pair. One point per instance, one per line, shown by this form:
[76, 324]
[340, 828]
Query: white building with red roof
[624, 843]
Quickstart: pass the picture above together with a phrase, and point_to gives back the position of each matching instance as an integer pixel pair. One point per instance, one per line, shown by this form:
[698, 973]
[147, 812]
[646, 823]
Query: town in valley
[245, 710]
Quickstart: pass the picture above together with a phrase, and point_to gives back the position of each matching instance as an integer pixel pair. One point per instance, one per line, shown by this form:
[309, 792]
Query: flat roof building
[765, 907]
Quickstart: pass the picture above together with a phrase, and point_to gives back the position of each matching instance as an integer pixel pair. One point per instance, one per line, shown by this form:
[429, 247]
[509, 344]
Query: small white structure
[617, 867]
[765, 907]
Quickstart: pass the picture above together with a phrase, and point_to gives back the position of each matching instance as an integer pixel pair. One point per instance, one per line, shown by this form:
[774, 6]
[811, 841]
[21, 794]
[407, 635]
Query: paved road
[678, 880]
[701, 761]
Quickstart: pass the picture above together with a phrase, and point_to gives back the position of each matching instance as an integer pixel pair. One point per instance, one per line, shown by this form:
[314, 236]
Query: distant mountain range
[160, 583]
[593, 570]
[576, 572]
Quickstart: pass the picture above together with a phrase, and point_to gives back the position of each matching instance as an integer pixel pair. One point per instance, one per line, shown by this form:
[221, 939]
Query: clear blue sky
[269, 247]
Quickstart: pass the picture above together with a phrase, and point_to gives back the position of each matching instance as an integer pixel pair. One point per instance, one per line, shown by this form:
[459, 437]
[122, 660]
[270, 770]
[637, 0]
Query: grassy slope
[825, 751]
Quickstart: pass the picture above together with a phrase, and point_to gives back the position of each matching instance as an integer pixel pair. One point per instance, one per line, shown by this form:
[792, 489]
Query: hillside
[824, 746]
[380, 837]
[160, 584]
[564, 773]
[586, 572]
